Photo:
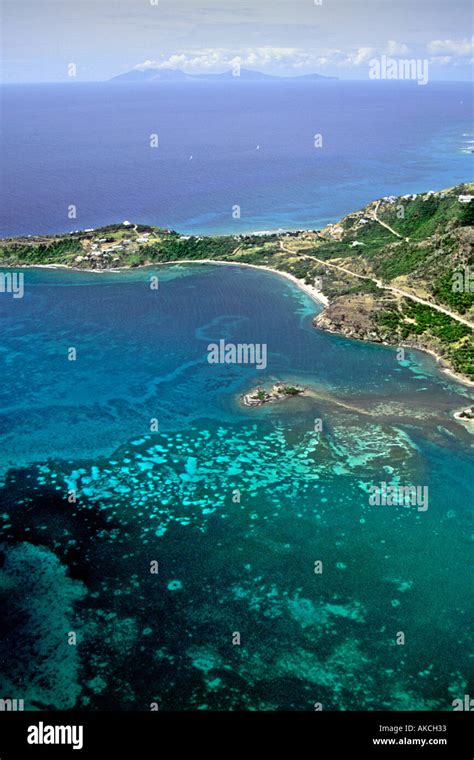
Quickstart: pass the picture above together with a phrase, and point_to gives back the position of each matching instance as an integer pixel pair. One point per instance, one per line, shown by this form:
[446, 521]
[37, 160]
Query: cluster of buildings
[106, 247]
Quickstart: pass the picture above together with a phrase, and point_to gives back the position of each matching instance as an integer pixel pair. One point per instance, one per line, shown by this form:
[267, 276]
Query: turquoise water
[236, 505]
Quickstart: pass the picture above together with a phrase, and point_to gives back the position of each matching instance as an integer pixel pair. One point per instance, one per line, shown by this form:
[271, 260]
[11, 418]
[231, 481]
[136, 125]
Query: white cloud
[220, 58]
[459, 48]
[396, 48]
[298, 60]
[265, 57]
[362, 55]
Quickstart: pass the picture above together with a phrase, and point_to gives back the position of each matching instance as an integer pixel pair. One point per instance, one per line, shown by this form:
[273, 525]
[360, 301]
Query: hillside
[415, 245]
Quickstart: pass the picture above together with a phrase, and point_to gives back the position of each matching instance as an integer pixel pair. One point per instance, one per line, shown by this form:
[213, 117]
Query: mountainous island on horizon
[177, 75]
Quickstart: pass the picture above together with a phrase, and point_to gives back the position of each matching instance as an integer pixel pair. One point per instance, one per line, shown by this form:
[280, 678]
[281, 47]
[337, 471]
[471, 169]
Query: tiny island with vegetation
[279, 392]
[466, 415]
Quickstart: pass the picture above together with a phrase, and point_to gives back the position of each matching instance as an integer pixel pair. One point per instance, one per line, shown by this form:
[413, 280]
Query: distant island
[176, 75]
[397, 272]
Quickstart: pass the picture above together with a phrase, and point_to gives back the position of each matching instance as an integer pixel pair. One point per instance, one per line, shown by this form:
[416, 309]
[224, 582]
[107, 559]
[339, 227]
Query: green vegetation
[443, 327]
[290, 390]
[444, 293]
[466, 218]
[425, 215]
[398, 259]
[44, 253]
[173, 248]
[453, 339]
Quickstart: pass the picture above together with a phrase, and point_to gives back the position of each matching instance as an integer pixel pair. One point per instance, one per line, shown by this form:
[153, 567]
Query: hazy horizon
[42, 41]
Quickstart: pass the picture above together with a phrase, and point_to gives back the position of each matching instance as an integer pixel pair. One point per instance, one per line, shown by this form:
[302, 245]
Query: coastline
[316, 295]
[310, 290]
[439, 360]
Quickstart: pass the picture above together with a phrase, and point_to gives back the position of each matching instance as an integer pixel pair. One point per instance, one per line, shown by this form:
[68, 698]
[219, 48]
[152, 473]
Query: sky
[103, 38]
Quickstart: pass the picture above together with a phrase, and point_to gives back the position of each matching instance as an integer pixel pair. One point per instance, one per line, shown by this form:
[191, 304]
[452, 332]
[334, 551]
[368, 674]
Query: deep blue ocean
[221, 145]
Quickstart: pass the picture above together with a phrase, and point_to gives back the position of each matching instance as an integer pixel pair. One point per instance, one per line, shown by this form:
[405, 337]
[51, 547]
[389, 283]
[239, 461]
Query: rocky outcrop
[353, 316]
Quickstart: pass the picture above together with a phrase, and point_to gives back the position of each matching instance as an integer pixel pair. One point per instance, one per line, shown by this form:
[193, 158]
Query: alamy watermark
[467, 703]
[13, 283]
[416, 69]
[463, 281]
[12, 705]
[46, 734]
[237, 353]
[384, 495]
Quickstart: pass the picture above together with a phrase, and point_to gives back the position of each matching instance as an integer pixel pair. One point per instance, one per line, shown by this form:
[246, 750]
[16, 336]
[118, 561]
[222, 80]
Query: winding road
[380, 285]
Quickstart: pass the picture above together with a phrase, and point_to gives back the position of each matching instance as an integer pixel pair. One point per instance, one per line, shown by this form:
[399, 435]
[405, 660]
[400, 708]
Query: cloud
[362, 55]
[219, 58]
[396, 48]
[264, 57]
[293, 59]
[448, 48]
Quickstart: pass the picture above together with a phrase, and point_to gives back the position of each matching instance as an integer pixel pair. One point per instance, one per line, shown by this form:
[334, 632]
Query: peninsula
[399, 271]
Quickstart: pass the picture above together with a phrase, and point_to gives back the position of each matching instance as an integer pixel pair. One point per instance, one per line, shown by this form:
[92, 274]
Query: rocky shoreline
[355, 317]
[466, 417]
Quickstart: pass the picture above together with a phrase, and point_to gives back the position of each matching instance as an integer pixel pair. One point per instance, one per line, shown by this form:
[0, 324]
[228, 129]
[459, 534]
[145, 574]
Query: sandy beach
[310, 290]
